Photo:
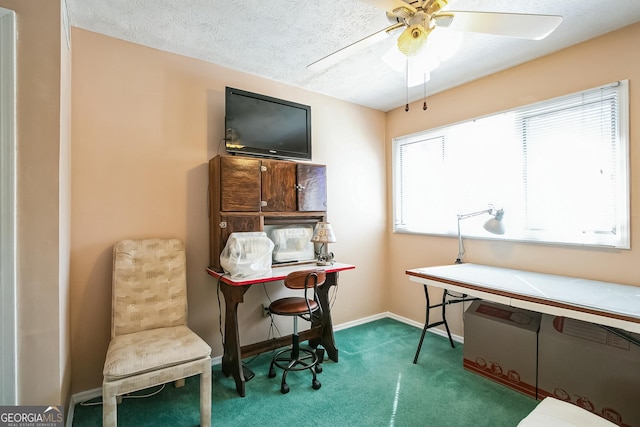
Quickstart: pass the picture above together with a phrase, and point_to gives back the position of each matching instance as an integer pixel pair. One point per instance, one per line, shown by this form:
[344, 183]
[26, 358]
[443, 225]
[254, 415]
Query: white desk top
[280, 272]
[606, 303]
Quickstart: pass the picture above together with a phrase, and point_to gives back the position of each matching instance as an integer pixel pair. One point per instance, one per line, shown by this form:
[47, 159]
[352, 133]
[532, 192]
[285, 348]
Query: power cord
[220, 144]
[270, 333]
[333, 297]
[272, 325]
[220, 309]
[89, 402]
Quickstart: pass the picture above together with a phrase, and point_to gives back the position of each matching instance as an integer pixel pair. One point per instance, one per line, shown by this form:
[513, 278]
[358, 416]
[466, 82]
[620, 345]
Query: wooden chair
[150, 341]
[297, 358]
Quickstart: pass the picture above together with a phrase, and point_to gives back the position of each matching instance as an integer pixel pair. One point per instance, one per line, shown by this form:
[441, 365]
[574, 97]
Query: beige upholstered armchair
[150, 341]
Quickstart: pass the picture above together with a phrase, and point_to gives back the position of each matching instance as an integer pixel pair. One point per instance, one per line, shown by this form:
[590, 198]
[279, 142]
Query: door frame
[8, 207]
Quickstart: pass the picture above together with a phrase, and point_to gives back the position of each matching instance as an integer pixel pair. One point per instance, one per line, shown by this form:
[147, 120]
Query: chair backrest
[305, 279]
[149, 285]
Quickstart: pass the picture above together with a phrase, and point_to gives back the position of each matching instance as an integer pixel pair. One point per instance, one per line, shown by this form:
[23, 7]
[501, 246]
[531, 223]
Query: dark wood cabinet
[279, 186]
[245, 193]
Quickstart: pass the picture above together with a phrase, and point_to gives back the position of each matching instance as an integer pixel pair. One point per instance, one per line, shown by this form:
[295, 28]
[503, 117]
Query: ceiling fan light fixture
[402, 12]
[444, 44]
[414, 68]
[436, 6]
[443, 20]
[412, 40]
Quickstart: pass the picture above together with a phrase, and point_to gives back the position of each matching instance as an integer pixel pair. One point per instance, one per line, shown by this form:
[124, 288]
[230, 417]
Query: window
[558, 168]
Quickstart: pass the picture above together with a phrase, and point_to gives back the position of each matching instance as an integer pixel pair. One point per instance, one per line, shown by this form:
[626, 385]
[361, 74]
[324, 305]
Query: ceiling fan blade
[390, 5]
[524, 26]
[346, 51]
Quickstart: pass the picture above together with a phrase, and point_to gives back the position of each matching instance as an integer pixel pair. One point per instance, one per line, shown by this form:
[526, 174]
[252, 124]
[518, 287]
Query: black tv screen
[260, 125]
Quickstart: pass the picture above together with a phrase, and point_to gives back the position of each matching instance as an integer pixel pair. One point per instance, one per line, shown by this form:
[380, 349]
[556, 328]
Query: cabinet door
[239, 184]
[278, 186]
[312, 187]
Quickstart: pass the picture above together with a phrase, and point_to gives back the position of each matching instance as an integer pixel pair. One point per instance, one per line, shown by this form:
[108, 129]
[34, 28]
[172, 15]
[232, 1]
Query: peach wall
[145, 124]
[590, 64]
[42, 232]
[64, 209]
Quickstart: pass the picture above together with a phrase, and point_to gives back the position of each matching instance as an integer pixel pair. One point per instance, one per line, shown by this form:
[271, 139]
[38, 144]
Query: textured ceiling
[277, 39]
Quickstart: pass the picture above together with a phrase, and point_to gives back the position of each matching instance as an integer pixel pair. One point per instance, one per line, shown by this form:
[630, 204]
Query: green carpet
[374, 384]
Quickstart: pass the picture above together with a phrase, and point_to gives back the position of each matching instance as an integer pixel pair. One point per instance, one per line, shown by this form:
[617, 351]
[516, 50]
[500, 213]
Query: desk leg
[326, 340]
[428, 325]
[231, 359]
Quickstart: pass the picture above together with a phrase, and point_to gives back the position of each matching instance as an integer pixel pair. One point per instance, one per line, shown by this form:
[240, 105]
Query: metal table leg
[443, 304]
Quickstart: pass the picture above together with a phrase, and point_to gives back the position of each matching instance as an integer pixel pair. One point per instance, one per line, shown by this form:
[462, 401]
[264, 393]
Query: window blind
[559, 168]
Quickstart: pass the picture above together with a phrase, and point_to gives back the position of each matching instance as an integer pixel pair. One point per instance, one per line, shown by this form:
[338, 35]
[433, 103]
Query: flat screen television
[260, 125]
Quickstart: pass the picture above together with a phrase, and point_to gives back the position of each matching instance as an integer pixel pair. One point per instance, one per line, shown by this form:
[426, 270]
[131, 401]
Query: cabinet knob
[223, 224]
[263, 203]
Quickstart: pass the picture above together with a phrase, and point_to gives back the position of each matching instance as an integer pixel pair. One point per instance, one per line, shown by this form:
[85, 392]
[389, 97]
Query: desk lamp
[493, 225]
[323, 234]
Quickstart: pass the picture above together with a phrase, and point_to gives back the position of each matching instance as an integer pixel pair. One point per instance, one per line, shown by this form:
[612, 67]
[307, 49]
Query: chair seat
[144, 351]
[292, 306]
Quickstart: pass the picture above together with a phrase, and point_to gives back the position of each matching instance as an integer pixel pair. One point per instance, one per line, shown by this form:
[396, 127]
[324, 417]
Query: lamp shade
[412, 40]
[323, 233]
[494, 224]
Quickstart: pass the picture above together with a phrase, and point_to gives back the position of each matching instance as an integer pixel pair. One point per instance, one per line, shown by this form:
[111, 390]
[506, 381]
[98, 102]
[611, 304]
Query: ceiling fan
[418, 18]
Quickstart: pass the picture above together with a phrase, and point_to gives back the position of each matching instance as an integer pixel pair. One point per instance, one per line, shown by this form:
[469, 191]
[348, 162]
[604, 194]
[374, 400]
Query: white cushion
[139, 352]
[556, 413]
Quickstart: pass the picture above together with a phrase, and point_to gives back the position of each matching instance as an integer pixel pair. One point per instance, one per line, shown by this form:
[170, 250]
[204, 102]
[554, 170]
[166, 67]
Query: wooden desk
[321, 332]
[608, 304]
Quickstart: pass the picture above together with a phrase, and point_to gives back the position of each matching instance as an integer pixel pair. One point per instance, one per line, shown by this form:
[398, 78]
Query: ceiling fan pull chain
[424, 104]
[406, 107]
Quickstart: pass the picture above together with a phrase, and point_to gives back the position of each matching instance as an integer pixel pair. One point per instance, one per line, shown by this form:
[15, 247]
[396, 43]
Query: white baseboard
[441, 332]
[97, 392]
[79, 398]
[361, 321]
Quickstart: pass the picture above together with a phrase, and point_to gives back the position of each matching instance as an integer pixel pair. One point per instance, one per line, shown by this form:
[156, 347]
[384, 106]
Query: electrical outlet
[265, 311]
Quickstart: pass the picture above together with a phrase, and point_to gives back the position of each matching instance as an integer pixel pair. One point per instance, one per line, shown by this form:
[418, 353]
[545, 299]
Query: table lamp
[493, 225]
[323, 234]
